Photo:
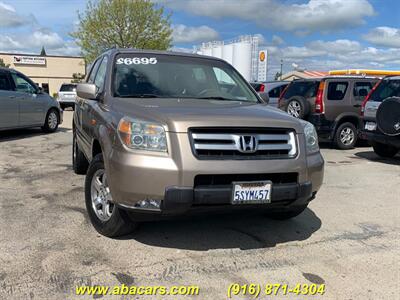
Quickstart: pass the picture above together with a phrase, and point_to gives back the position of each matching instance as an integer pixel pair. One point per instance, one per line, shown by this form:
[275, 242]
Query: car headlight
[137, 134]
[311, 137]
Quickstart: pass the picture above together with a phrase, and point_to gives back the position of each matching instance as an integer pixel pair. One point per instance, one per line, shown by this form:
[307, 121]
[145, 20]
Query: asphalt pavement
[348, 238]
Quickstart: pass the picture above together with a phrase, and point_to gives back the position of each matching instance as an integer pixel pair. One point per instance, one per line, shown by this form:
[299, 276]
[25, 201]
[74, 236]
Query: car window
[22, 85]
[67, 88]
[101, 75]
[275, 92]
[256, 86]
[361, 90]
[170, 76]
[302, 88]
[199, 74]
[93, 71]
[4, 82]
[387, 88]
[337, 90]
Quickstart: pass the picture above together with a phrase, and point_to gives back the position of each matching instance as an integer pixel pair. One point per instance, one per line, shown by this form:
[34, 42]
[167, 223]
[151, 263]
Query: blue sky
[314, 34]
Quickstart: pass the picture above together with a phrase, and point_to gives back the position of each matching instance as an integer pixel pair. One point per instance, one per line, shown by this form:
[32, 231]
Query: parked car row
[343, 108]
[161, 134]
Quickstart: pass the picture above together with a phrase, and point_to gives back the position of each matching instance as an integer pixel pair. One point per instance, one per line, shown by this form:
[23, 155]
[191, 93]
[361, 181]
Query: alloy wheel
[294, 108]
[347, 136]
[101, 196]
[52, 120]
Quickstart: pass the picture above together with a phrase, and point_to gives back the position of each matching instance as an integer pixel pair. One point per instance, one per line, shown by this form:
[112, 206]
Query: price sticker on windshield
[136, 61]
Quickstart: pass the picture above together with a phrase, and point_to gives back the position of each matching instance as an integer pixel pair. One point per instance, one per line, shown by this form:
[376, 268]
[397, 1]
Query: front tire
[52, 121]
[287, 214]
[385, 151]
[346, 136]
[105, 216]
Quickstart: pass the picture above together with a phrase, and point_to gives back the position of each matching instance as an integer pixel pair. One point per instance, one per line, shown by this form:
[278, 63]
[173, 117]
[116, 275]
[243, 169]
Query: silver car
[273, 88]
[23, 104]
[67, 95]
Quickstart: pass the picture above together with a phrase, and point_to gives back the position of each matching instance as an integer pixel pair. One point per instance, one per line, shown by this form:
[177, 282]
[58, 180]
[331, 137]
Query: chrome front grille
[243, 143]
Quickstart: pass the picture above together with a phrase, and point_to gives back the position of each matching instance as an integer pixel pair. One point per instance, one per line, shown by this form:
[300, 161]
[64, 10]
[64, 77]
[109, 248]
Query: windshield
[302, 88]
[67, 88]
[387, 88]
[169, 76]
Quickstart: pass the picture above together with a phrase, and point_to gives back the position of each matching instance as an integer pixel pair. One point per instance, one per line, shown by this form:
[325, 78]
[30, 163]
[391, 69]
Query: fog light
[149, 204]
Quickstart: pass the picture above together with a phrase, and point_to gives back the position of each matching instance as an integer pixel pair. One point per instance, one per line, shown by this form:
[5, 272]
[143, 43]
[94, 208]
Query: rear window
[276, 92]
[361, 89]
[305, 89]
[337, 90]
[4, 82]
[387, 88]
[67, 88]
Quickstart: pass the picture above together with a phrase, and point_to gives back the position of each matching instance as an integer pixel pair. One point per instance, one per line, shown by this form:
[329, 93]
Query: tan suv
[160, 134]
[332, 104]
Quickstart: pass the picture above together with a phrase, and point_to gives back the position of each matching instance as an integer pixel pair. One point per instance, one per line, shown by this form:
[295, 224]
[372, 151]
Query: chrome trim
[234, 142]
[132, 207]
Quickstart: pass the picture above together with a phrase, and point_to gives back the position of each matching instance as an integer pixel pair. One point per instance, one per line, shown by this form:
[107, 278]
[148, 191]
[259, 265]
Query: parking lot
[348, 238]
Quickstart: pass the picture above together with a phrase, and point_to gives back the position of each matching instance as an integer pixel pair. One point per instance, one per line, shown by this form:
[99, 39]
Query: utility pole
[280, 77]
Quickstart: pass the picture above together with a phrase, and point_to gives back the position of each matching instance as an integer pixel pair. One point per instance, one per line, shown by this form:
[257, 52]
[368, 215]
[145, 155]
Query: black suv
[331, 103]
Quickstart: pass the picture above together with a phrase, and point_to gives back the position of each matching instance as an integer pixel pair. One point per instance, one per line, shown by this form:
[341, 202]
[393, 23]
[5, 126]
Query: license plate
[251, 192]
[371, 126]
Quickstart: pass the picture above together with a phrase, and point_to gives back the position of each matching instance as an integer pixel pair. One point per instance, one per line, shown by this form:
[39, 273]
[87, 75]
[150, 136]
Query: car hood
[178, 115]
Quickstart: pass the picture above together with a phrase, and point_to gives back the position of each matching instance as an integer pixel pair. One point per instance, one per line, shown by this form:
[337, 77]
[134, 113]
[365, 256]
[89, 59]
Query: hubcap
[101, 196]
[347, 136]
[294, 109]
[52, 120]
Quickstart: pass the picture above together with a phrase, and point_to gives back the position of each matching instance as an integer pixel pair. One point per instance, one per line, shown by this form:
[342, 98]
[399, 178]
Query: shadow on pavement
[18, 134]
[245, 231]
[370, 155]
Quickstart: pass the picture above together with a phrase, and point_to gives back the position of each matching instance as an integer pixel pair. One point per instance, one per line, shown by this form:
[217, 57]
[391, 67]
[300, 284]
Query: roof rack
[364, 72]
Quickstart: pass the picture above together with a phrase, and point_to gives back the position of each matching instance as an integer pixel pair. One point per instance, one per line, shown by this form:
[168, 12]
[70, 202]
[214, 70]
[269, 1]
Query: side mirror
[264, 97]
[86, 91]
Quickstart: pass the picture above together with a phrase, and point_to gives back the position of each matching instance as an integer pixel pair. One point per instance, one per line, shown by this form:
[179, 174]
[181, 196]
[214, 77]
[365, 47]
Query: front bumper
[66, 100]
[376, 136]
[181, 200]
[173, 178]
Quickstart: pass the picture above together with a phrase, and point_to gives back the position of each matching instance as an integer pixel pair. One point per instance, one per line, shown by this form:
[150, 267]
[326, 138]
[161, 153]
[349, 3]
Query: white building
[242, 53]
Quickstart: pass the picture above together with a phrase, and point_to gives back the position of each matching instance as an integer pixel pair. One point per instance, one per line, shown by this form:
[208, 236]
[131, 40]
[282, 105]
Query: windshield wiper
[140, 96]
[218, 98]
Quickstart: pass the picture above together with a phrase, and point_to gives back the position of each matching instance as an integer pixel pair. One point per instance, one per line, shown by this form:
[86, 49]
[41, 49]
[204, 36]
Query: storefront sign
[29, 60]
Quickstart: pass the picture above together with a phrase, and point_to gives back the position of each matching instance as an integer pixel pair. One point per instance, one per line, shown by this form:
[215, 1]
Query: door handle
[357, 105]
[11, 97]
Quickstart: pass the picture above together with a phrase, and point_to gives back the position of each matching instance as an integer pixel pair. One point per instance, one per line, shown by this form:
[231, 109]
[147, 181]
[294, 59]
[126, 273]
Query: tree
[3, 64]
[77, 77]
[278, 75]
[43, 52]
[137, 24]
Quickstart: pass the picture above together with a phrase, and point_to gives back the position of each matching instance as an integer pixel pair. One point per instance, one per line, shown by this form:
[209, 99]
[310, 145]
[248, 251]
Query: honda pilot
[162, 134]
